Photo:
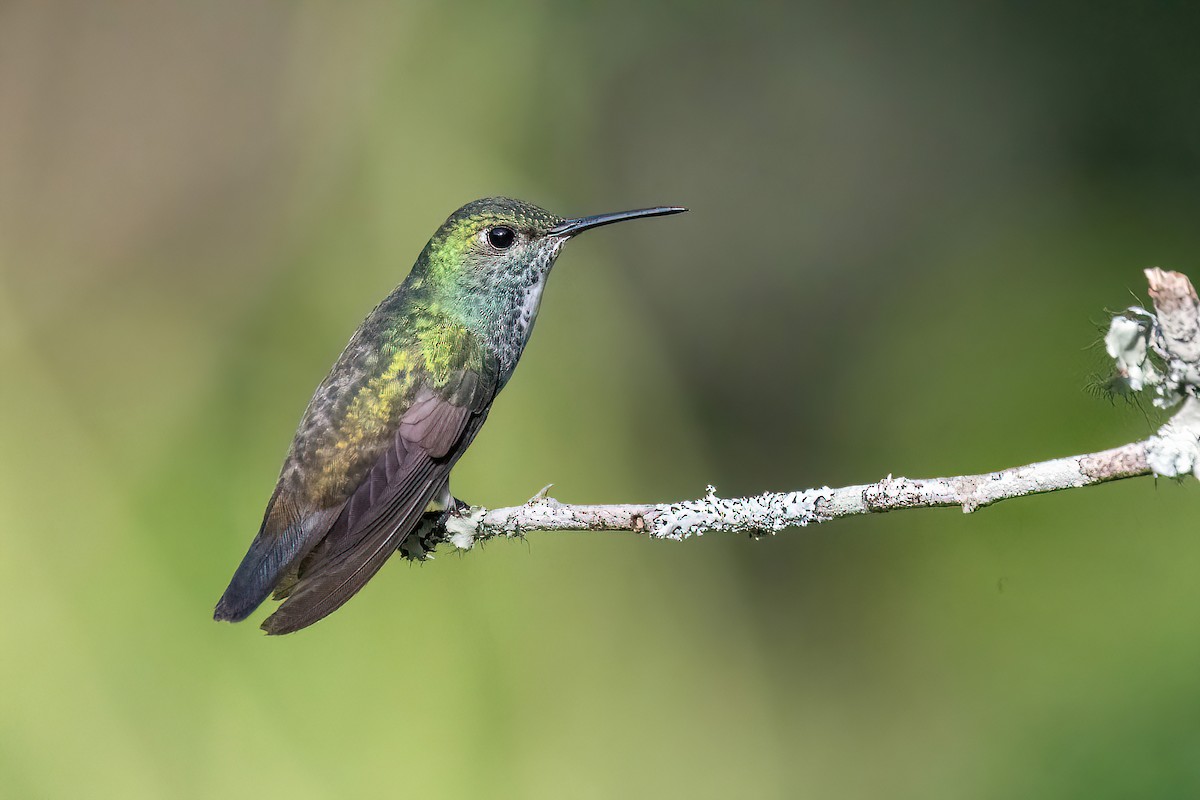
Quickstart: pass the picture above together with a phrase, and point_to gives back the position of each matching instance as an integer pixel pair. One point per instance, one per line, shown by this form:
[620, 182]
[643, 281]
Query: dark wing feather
[282, 538]
[435, 422]
[388, 504]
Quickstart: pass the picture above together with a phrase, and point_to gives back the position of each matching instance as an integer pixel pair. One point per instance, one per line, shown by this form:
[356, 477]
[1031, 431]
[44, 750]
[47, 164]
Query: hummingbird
[371, 459]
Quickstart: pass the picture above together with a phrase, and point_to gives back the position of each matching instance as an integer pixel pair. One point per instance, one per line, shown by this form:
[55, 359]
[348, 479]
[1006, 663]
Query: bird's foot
[457, 507]
[434, 528]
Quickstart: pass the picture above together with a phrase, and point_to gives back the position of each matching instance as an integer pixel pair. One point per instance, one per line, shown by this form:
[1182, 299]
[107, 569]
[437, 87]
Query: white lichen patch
[770, 512]
[461, 529]
[1127, 342]
[893, 492]
[1136, 342]
[1175, 450]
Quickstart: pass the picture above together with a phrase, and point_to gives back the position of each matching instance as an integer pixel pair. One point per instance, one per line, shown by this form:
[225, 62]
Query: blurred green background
[906, 226]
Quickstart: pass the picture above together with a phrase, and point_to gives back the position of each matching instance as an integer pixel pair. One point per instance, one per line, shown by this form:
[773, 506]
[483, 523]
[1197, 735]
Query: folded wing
[442, 419]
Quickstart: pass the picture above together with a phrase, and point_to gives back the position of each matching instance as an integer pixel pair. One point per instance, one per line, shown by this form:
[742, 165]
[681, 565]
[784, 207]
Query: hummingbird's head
[489, 261]
[501, 243]
[492, 242]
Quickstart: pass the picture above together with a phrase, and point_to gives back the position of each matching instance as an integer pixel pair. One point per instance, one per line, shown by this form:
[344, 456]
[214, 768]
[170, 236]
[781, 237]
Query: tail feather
[281, 540]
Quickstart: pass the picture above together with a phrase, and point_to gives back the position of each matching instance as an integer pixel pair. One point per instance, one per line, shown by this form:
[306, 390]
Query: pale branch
[1159, 352]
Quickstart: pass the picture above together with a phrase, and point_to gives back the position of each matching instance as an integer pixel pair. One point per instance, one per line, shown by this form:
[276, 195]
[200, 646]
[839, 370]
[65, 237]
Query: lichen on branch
[1156, 352]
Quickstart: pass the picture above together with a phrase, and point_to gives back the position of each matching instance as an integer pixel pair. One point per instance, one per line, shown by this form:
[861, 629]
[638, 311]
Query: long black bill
[570, 227]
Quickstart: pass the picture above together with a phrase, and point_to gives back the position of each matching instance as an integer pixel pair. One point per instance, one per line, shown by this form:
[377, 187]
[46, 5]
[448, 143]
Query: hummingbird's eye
[502, 237]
